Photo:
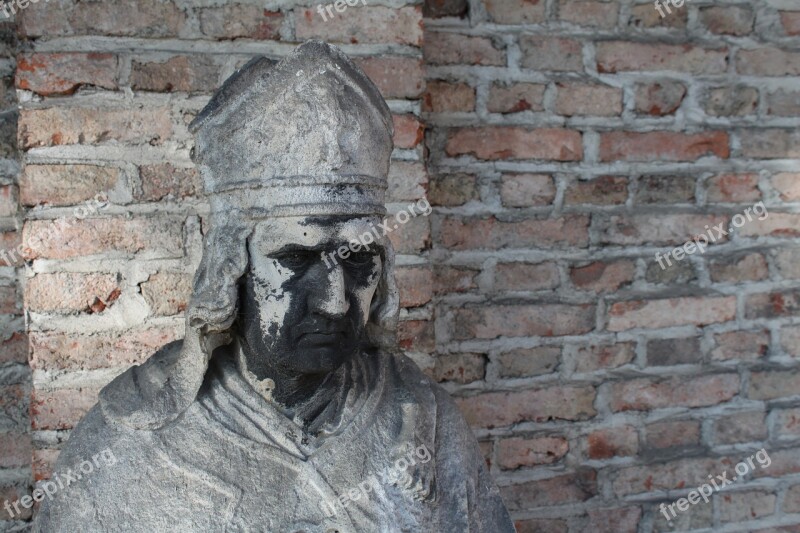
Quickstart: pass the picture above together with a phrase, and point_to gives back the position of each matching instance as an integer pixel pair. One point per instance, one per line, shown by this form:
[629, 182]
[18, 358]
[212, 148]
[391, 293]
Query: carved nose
[331, 301]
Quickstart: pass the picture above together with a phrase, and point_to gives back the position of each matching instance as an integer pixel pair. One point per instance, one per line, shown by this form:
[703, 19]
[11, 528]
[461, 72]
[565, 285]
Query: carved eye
[297, 259]
[361, 259]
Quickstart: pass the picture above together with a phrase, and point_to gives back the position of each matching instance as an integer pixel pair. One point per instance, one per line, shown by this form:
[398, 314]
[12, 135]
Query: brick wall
[567, 141]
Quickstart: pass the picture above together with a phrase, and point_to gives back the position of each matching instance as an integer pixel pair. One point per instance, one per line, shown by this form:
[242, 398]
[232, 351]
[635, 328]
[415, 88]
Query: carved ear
[385, 307]
[215, 295]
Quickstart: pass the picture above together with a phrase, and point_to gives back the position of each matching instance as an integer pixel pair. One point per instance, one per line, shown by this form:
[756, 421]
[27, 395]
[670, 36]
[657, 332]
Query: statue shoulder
[139, 397]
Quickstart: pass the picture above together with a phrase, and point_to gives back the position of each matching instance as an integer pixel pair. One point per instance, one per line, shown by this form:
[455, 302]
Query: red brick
[772, 305]
[597, 357]
[526, 276]
[233, 21]
[9, 305]
[788, 185]
[551, 53]
[453, 189]
[787, 422]
[547, 320]
[453, 279]
[516, 452]
[733, 188]
[738, 507]
[60, 409]
[734, 101]
[559, 490]
[78, 125]
[16, 448]
[660, 229]
[790, 340]
[167, 293]
[672, 434]
[44, 462]
[645, 16]
[415, 284]
[54, 351]
[161, 180]
[523, 190]
[13, 347]
[740, 427]
[624, 56]
[526, 362]
[774, 225]
[462, 368]
[513, 98]
[416, 335]
[602, 276]
[511, 142]
[749, 267]
[783, 462]
[10, 252]
[489, 233]
[64, 239]
[773, 384]
[791, 500]
[13, 494]
[728, 20]
[445, 8]
[515, 11]
[620, 441]
[498, 409]
[659, 98]
[661, 190]
[176, 74]
[662, 146]
[51, 74]
[592, 13]
[588, 99]
[740, 345]
[644, 394]
[669, 352]
[453, 49]
[412, 237]
[408, 131]
[668, 312]
[14, 403]
[365, 24]
[614, 520]
[784, 103]
[675, 475]
[147, 18]
[396, 77]
[791, 22]
[770, 144]
[407, 181]
[444, 97]
[9, 200]
[768, 62]
[60, 185]
[67, 292]
[602, 190]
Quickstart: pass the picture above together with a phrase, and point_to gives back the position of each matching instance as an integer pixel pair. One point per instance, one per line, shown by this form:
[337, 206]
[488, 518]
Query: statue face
[303, 311]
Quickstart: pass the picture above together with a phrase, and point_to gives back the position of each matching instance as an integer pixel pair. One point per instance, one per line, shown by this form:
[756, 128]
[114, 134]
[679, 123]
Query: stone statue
[286, 407]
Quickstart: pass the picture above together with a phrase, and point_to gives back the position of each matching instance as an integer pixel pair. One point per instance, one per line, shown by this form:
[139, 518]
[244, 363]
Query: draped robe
[234, 462]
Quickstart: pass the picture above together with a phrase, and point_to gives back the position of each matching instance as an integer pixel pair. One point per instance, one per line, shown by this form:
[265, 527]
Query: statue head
[294, 157]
